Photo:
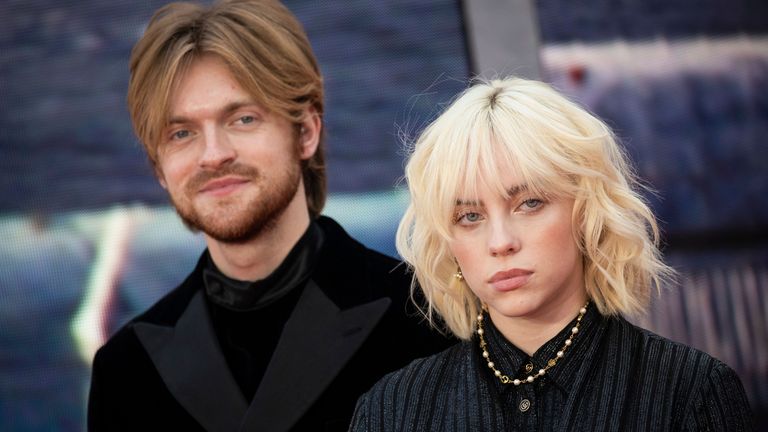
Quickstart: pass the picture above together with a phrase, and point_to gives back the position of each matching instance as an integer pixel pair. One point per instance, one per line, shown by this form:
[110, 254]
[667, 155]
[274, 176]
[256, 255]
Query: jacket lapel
[317, 341]
[193, 368]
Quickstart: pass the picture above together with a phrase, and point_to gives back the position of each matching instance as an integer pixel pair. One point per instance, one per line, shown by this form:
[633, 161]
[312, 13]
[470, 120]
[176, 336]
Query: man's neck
[259, 257]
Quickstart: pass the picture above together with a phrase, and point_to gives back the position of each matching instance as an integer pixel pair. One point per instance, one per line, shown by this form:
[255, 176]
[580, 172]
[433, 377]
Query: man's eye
[247, 119]
[180, 134]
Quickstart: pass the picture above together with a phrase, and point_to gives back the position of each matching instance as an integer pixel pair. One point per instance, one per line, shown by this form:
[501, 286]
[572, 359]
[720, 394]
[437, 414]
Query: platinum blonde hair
[559, 149]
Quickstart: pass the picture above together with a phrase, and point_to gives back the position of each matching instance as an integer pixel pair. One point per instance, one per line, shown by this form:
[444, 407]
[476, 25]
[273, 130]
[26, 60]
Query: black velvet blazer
[353, 323]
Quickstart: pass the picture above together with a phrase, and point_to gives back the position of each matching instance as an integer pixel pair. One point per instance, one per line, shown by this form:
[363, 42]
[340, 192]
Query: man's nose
[218, 149]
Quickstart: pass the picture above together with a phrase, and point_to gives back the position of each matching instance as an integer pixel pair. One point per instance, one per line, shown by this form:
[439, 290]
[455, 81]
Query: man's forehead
[207, 87]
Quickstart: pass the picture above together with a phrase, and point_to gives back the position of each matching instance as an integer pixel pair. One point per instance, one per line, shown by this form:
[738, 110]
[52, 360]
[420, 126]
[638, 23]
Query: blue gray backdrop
[89, 240]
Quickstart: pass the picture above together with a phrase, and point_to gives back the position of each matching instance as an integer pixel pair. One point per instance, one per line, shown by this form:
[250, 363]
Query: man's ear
[160, 176]
[309, 133]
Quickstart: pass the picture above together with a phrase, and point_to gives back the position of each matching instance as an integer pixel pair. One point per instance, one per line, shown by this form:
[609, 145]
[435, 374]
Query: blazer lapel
[193, 368]
[317, 341]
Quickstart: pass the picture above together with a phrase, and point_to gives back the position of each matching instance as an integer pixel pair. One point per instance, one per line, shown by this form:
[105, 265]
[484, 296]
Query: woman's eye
[468, 218]
[531, 204]
[472, 217]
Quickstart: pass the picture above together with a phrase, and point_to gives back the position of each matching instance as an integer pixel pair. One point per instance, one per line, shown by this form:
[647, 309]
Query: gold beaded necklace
[550, 364]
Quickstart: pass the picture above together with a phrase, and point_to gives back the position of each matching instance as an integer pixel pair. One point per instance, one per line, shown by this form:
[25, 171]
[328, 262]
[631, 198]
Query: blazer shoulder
[339, 244]
[352, 273]
[165, 312]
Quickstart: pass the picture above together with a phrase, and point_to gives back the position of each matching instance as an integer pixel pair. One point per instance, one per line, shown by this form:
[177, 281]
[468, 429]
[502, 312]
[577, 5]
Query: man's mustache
[202, 177]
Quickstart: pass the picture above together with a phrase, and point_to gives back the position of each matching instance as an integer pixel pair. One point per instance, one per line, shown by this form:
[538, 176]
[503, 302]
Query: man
[286, 320]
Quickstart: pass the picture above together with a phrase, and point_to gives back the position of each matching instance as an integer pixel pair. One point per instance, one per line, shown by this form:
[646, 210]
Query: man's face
[230, 166]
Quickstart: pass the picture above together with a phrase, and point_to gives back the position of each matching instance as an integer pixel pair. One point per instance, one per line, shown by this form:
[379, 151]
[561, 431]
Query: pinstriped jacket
[615, 377]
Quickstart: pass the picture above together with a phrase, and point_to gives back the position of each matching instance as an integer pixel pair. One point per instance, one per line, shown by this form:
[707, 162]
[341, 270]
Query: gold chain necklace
[550, 364]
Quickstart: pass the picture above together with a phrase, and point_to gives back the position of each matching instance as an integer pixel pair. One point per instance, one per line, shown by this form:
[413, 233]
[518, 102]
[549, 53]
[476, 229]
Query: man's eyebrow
[236, 105]
[227, 110]
[177, 120]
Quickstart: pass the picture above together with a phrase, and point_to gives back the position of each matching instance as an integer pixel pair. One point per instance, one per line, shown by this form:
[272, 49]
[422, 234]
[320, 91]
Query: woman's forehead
[496, 175]
[506, 183]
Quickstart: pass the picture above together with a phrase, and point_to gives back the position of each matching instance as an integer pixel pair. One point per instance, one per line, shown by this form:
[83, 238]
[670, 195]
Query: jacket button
[525, 404]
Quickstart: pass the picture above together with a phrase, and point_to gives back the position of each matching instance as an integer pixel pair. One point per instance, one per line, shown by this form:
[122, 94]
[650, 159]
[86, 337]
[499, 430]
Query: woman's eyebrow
[511, 192]
[460, 202]
[517, 190]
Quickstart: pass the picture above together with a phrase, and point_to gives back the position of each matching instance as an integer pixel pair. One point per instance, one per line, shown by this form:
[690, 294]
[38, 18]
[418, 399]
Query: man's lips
[509, 280]
[223, 185]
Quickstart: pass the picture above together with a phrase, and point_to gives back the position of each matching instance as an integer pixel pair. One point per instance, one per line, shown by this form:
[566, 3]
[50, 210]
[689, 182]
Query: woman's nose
[503, 239]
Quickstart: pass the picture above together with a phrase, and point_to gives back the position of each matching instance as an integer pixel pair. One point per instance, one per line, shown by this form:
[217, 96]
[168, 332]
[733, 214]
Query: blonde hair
[558, 148]
[266, 50]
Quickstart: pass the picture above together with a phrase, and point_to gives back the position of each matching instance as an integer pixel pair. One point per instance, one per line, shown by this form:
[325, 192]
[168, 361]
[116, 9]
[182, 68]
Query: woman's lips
[509, 280]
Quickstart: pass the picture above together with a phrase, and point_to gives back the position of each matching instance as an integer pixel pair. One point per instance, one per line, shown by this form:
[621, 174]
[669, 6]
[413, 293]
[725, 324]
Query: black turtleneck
[248, 317]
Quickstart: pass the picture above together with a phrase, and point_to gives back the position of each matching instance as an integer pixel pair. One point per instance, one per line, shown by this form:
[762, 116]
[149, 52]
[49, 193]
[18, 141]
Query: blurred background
[89, 239]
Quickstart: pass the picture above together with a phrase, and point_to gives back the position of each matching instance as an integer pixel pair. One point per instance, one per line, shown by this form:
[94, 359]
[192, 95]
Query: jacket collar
[307, 358]
[317, 341]
[193, 368]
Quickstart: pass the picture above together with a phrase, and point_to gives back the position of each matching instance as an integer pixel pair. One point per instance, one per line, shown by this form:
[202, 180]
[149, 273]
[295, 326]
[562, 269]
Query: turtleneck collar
[245, 295]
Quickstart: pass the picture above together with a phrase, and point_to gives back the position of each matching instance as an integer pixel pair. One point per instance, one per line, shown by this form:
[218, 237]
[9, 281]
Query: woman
[529, 239]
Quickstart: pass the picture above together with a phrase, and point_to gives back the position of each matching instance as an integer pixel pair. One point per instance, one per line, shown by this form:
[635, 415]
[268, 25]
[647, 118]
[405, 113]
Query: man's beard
[234, 219]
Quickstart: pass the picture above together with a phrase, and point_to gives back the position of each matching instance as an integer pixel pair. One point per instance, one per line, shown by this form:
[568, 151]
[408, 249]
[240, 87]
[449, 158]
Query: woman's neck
[529, 333]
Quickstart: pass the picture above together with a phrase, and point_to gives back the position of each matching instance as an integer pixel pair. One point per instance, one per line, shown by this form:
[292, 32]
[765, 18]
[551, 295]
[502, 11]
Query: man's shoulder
[339, 242]
[344, 260]
[351, 274]
[164, 312]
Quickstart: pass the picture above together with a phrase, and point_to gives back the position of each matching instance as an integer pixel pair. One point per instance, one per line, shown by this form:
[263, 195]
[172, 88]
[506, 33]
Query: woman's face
[518, 254]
